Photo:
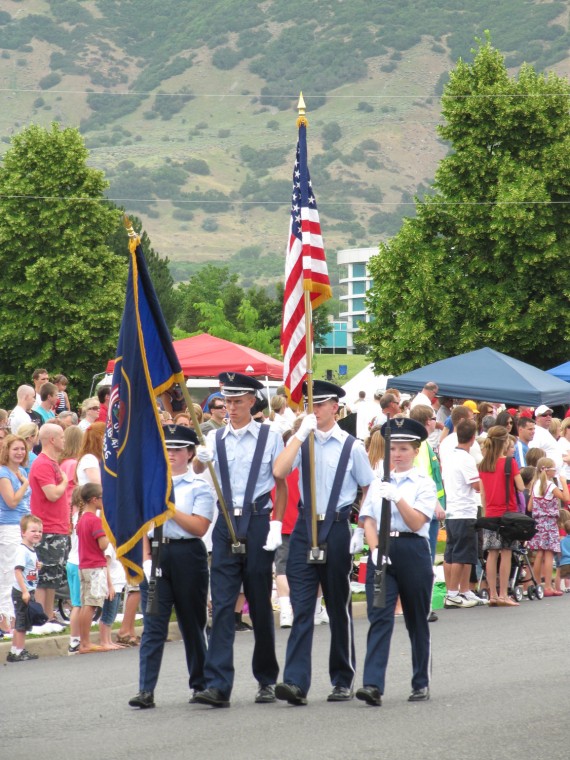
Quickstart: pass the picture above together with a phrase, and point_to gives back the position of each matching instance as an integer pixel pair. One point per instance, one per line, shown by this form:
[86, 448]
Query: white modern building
[358, 281]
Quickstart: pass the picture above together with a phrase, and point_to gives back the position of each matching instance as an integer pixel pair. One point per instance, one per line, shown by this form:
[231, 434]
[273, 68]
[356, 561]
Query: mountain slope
[190, 108]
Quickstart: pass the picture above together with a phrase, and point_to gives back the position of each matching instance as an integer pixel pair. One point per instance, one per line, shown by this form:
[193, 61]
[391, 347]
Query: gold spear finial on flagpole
[134, 239]
[301, 107]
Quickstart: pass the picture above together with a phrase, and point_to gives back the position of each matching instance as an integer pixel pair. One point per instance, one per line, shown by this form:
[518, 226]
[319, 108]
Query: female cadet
[183, 583]
[412, 497]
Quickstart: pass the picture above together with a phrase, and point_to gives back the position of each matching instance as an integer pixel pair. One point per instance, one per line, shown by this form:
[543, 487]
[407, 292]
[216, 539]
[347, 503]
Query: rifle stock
[384, 530]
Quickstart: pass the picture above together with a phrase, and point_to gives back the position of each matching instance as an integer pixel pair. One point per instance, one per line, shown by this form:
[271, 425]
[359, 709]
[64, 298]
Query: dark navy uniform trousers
[228, 572]
[410, 576]
[184, 586]
[304, 579]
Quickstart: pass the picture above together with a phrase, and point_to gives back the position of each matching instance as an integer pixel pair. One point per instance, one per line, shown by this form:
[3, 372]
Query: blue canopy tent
[488, 375]
[562, 371]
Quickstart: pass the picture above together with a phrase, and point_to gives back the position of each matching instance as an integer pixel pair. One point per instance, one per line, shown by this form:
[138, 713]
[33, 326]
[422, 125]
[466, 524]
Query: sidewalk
[56, 645]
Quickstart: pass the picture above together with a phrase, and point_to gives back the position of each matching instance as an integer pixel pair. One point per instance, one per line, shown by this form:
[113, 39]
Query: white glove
[357, 541]
[374, 556]
[274, 536]
[309, 423]
[204, 454]
[147, 568]
[388, 491]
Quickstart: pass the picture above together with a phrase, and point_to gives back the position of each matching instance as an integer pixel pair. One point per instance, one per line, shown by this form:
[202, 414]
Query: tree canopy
[63, 288]
[485, 262]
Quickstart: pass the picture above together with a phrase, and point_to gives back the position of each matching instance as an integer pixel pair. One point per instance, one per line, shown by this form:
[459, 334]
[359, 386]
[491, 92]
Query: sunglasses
[547, 414]
[218, 407]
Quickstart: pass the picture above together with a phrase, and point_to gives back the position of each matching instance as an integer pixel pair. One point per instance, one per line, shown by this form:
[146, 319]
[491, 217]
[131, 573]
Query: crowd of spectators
[48, 452]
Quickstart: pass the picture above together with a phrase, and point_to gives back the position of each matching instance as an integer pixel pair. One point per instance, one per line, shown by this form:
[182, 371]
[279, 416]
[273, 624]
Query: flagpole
[315, 551]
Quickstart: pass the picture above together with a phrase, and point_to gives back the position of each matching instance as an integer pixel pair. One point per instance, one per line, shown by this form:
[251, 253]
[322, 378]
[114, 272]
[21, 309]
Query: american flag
[305, 270]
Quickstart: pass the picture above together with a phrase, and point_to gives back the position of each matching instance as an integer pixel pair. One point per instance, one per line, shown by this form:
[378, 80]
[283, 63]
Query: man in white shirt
[19, 415]
[426, 396]
[462, 486]
[449, 443]
[542, 438]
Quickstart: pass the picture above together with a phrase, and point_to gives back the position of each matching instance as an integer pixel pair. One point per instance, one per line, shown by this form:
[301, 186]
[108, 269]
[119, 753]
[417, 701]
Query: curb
[56, 646]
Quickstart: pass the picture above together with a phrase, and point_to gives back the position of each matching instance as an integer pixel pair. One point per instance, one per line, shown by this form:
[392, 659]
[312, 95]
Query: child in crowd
[60, 382]
[563, 569]
[545, 506]
[26, 580]
[117, 581]
[72, 569]
[93, 570]
[527, 474]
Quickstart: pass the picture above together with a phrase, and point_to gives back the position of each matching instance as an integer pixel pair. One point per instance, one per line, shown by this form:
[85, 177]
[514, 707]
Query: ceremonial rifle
[384, 530]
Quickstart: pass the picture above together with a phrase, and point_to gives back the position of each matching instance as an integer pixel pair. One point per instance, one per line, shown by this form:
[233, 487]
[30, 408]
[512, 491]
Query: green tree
[62, 288]
[158, 267]
[485, 262]
[208, 285]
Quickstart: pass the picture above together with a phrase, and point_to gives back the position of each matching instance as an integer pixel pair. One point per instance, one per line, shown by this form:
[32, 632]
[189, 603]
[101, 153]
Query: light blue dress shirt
[240, 447]
[327, 454]
[417, 489]
[193, 496]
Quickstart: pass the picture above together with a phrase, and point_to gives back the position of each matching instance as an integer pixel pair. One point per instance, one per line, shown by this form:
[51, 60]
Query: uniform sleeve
[426, 497]
[373, 503]
[202, 499]
[361, 469]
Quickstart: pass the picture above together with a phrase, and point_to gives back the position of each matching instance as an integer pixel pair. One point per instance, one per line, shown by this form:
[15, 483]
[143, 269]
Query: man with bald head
[48, 502]
[20, 414]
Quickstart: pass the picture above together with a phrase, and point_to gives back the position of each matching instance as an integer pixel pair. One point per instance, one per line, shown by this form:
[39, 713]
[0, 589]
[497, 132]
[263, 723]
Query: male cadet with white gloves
[243, 454]
[341, 465]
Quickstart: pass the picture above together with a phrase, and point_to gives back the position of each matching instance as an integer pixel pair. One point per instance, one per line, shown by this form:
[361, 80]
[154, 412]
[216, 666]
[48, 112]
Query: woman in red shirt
[494, 504]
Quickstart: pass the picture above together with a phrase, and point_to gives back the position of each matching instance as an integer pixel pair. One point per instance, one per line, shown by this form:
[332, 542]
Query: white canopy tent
[365, 381]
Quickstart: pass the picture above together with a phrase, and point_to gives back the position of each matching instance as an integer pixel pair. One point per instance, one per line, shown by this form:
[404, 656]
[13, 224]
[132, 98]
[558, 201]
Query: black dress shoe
[340, 694]
[369, 694]
[144, 700]
[419, 695]
[212, 697]
[432, 617]
[265, 695]
[288, 692]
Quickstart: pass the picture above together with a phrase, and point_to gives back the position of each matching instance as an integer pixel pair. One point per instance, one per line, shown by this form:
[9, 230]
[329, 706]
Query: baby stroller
[514, 526]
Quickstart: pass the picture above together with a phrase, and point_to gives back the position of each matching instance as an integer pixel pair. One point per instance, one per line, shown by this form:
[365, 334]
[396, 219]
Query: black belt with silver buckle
[177, 540]
[342, 514]
[404, 534]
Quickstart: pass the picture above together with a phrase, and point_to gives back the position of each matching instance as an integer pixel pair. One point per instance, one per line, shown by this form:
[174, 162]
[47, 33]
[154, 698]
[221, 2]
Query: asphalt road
[500, 689]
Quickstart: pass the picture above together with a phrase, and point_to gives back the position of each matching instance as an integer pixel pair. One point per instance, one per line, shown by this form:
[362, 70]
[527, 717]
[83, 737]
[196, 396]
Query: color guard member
[341, 465]
[409, 574]
[243, 453]
[183, 581]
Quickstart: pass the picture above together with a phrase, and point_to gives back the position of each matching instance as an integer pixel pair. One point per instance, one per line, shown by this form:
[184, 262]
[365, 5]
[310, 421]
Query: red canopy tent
[206, 356]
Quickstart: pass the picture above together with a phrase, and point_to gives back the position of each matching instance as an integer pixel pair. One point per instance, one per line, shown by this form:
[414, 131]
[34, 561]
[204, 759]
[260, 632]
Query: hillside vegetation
[189, 107]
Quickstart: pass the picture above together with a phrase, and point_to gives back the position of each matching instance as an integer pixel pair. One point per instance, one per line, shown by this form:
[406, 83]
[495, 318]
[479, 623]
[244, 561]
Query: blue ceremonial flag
[137, 482]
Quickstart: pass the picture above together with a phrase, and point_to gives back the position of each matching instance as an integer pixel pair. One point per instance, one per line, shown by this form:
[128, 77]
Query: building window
[359, 288]
[359, 270]
[355, 322]
[358, 304]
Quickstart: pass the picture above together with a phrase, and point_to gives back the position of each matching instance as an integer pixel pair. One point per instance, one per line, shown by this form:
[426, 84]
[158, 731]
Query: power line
[322, 204]
[307, 96]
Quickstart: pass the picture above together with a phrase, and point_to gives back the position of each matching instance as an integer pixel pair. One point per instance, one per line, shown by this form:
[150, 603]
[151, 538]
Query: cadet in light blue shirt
[243, 453]
[341, 465]
[409, 572]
